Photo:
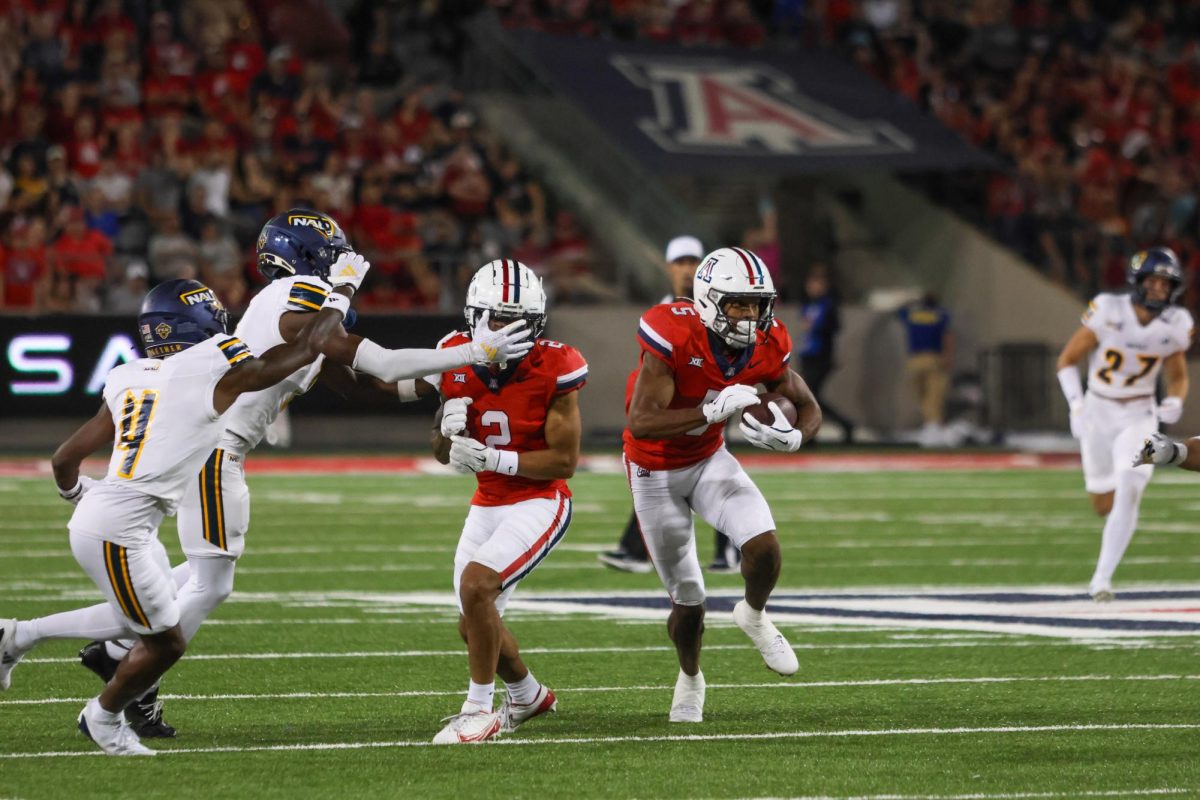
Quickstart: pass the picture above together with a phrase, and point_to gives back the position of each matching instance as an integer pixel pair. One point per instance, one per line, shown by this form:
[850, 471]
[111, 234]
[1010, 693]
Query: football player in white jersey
[297, 251]
[163, 416]
[1131, 338]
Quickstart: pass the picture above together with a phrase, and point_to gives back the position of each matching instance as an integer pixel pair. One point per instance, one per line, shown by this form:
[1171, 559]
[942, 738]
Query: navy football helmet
[300, 242]
[1160, 261]
[178, 314]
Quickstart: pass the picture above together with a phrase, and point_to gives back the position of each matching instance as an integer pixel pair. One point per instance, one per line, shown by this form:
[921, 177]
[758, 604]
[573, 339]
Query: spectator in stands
[25, 266]
[172, 252]
[126, 298]
[81, 256]
[930, 361]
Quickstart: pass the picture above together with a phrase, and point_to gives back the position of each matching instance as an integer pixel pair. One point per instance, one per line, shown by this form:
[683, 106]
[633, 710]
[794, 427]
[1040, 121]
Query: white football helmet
[511, 291]
[733, 273]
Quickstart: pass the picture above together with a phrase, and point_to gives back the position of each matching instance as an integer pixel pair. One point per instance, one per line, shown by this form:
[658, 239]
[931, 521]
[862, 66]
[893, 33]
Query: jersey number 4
[1116, 358]
[136, 415]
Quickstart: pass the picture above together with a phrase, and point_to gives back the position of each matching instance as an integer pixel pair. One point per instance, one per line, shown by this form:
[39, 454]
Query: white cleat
[775, 650]
[8, 652]
[1102, 593]
[513, 714]
[469, 727]
[115, 738]
[688, 703]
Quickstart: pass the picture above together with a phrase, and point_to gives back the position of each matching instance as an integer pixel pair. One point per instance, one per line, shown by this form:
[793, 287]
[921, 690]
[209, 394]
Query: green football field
[945, 644]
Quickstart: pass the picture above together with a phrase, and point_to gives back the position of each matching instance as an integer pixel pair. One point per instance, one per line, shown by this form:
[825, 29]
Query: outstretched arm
[255, 374]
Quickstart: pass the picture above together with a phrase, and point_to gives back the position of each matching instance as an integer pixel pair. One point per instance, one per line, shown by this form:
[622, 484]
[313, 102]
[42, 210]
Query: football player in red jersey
[518, 428]
[700, 361]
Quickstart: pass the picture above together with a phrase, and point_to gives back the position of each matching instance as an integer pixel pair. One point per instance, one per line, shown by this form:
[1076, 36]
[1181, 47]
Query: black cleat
[146, 718]
[95, 657]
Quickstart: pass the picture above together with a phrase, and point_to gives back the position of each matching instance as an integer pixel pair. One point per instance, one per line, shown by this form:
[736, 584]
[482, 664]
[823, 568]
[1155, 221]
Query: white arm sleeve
[394, 365]
[1072, 387]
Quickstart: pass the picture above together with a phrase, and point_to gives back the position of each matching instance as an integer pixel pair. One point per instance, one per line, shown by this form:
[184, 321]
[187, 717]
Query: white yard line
[695, 737]
[998, 796]
[647, 688]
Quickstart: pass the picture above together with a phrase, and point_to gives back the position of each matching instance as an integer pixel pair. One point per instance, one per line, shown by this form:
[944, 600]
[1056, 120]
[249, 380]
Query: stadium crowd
[1093, 104]
[141, 146]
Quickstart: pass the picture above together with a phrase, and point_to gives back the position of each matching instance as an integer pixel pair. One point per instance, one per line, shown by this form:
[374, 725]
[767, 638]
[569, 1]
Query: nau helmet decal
[318, 222]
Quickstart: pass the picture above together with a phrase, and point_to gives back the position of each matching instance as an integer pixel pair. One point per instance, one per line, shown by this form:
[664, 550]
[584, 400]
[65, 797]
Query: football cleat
[513, 714]
[145, 716]
[688, 703]
[115, 738]
[469, 727]
[8, 652]
[620, 560]
[775, 650]
[1102, 594]
[95, 657]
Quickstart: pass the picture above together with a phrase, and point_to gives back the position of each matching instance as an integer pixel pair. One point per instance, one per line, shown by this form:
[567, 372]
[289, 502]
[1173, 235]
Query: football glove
[779, 435]
[499, 347]
[349, 270]
[454, 416]
[75, 493]
[468, 455]
[730, 401]
[1161, 450]
[1078, 420]
[1170, 410]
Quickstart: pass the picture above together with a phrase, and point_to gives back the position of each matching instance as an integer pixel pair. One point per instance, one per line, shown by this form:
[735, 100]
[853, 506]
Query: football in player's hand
[763, 414]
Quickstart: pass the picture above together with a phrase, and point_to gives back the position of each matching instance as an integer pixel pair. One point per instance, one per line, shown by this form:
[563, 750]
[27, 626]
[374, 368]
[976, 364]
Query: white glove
[1161, 450]
[1078, 420]
[499, 347]
[76, 492]
[730, 401]
[779, 435]
[1170, 410]
[349, 270]
[468, 455]
[454, 416]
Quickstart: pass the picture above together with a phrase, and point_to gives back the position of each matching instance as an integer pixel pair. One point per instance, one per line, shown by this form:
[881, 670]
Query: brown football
[763, 414]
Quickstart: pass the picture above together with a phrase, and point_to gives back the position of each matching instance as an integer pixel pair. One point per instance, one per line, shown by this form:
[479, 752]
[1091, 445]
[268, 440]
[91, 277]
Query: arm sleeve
[394, 365]
[306, 295]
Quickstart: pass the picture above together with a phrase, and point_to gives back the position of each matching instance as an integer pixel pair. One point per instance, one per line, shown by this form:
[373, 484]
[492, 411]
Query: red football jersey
[674, 334]
[508, 411]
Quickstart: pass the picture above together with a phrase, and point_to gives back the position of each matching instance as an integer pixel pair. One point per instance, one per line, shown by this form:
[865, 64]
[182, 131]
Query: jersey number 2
[136, 414]
[500, 420]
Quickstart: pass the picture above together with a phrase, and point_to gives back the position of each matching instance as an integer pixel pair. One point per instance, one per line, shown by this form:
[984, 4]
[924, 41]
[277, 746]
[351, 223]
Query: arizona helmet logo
[320, 223]
[163, 330]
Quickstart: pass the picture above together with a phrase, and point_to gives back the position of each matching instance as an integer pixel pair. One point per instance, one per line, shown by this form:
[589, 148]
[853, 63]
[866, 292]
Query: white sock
[481, 694]
[524, 691]
[94, 622]
[119, 648]
[689, 682]
[1119, 526]
[753, 615]
[100, 714]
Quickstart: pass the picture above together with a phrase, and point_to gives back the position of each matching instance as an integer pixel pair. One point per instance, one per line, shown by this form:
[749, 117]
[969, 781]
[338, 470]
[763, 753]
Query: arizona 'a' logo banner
[711, 106]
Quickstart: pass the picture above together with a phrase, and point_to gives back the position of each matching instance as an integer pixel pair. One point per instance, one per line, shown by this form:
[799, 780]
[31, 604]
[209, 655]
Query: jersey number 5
[136, 414]
[500, 420]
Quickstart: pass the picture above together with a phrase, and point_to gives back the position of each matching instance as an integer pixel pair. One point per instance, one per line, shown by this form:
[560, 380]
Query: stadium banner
[724, 112]
[55, 365]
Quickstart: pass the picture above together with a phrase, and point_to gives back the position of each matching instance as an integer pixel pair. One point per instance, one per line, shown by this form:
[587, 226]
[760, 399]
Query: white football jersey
[1130, 355]
[250, 416]
[165, 420]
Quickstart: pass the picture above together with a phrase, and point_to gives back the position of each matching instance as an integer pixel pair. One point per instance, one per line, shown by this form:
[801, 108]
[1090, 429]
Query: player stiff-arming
[302, 252]
[163, 416]
[700, 361]
[1131, 338]
[517, 427]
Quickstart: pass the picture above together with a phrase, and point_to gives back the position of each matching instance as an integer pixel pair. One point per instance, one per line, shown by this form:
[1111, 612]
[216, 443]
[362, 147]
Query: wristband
[406, 390]
[507, 462]
[337, 301]
[73, 492]
[1180, 454]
